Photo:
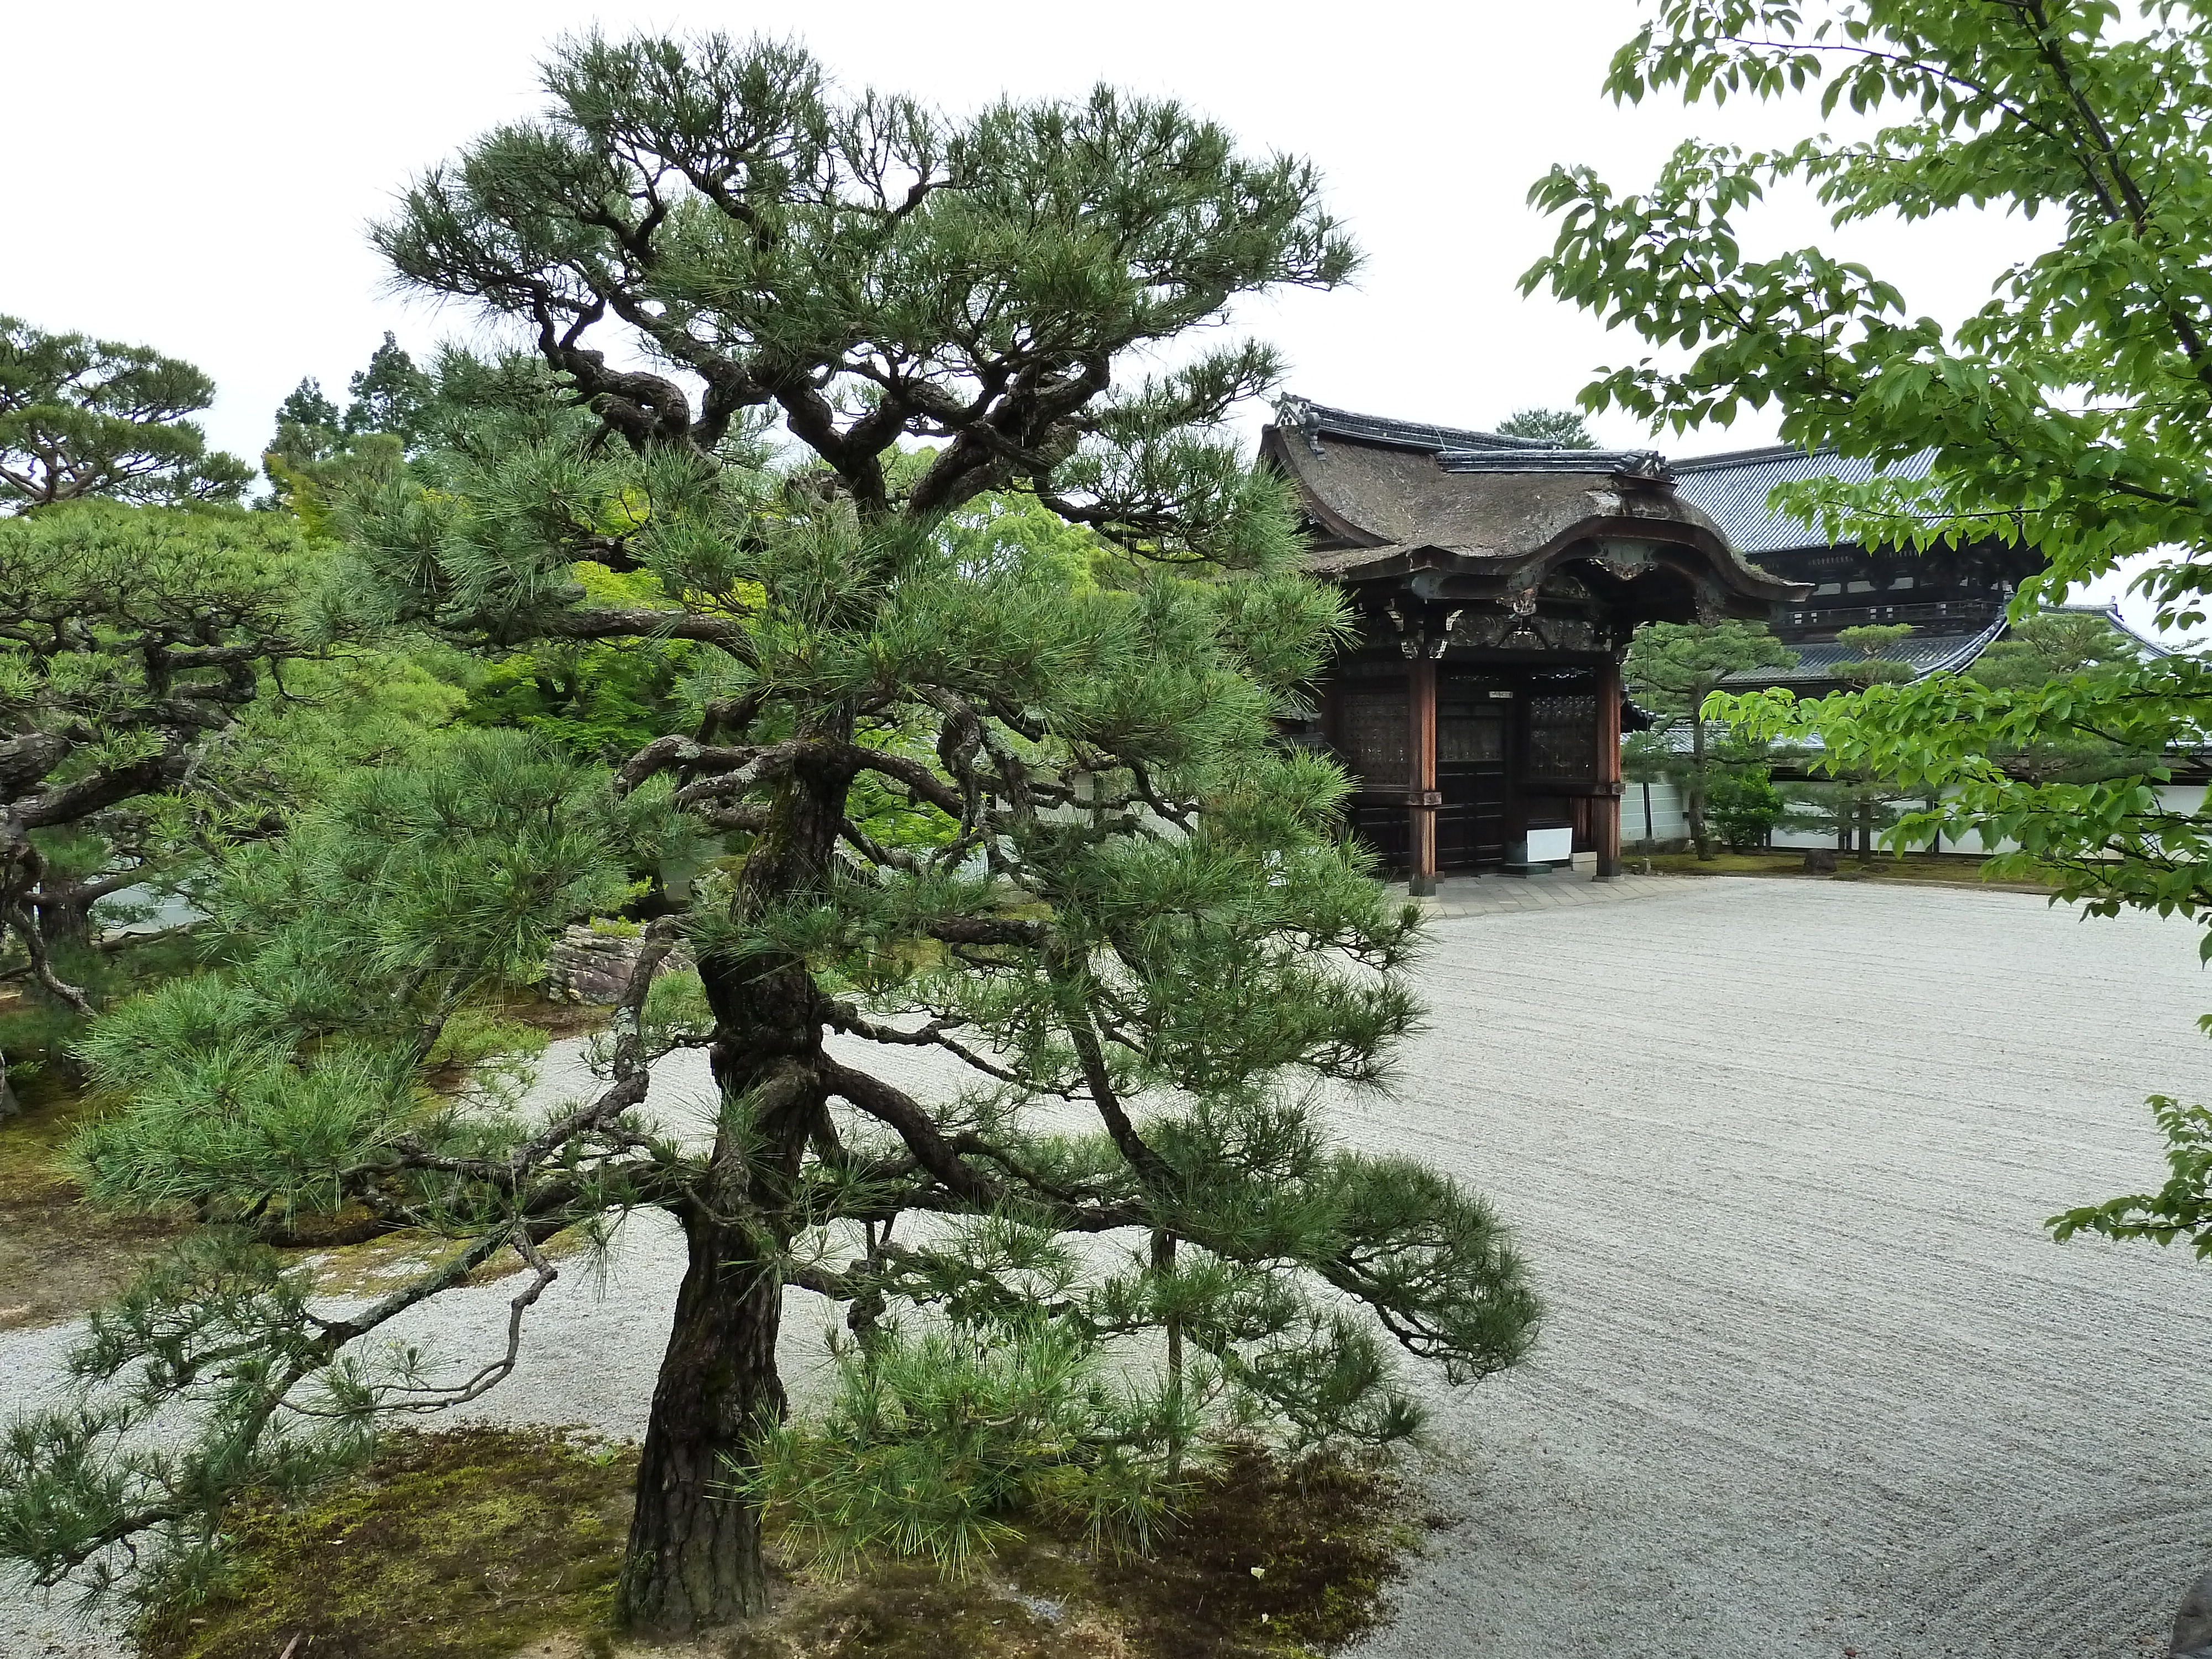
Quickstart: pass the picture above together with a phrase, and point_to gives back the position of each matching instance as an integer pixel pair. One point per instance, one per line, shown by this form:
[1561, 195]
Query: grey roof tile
[1319, 420]
[1633, 463]
[1924, 653]
[1732, 489]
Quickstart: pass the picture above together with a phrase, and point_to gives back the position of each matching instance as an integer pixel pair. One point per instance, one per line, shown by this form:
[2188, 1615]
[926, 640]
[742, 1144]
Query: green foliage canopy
[131, 638]
[391, 395]
[139, 648]
[318, 453]
[1744, 805]
[1564, 427]
[81, 417]
[2053, 645]
[2071, 412]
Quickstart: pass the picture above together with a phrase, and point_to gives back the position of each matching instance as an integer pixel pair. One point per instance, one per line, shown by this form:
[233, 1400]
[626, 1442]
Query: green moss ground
[58, 1255]
[461, 1546]
[485, 1543]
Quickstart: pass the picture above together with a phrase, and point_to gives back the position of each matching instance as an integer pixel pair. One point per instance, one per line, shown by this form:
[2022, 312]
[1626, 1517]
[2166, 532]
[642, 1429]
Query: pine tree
[306, 406]
[391, 395]
[988, 670]
[81, 417]
[1672, 668]
[2054, 649]
[134, 645]
[1564, 426]
[1857, 804]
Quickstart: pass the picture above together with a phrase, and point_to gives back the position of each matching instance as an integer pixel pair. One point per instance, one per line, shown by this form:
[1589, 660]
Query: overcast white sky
[198, 177]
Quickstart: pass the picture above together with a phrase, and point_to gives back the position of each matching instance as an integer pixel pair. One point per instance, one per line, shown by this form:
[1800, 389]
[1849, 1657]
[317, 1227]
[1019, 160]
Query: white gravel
[1813, 1379]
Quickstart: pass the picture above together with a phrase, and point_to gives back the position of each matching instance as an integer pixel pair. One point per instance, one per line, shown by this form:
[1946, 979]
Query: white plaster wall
[1668, 820]
[1670, 823]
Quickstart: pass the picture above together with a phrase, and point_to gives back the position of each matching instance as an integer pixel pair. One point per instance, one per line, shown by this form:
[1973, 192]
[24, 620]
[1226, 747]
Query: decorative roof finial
[1299, 414]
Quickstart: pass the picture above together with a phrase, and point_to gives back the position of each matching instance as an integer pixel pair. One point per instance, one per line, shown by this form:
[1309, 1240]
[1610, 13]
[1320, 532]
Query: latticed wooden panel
[1563, 735]
[1372, 731]
[1470, 738]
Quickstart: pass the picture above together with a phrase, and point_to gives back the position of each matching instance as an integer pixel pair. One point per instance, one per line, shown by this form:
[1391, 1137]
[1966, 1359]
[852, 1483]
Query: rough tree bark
[694, 1559]
[1700, 837]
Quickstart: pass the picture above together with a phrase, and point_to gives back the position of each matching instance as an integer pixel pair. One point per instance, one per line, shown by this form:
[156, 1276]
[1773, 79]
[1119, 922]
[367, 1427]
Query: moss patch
[461, 1546]
[558, 1020]
[59, 1254]
[904, 1612]
[500, 1544]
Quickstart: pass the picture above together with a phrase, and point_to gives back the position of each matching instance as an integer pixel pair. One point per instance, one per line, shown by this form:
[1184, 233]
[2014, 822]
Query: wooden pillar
[1421, 796]
[1605, 806]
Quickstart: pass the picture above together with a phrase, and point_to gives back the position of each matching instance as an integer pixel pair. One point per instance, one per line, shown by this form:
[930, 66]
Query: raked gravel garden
[1814, 1380]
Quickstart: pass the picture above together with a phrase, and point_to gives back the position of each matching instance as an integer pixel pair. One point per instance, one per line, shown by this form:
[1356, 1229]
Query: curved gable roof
[1385, 491]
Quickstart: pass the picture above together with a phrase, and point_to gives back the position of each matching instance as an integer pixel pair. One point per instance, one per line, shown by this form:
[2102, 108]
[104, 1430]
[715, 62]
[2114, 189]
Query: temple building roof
[1731, 489]
[1390, 498]
[1928, 653]
[1818, 660]
[2152, 645]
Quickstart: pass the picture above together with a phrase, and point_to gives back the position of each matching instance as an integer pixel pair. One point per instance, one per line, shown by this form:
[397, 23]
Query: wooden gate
[1474, 733]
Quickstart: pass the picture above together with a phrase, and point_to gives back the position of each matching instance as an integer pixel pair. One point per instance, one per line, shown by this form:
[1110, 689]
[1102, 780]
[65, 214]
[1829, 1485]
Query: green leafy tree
[80, 417]
[1744, 804]
[318, 454]
[307, 450]
[1130, 929]
[2073, 412]
[1672, 668]
[1563, 427]
[2048, 648]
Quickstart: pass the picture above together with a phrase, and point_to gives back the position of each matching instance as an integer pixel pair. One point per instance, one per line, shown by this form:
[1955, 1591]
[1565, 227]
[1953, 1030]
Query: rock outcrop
[589, 965]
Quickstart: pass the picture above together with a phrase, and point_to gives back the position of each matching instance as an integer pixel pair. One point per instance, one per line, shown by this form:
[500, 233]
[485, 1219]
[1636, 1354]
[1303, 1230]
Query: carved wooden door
[1473, 726]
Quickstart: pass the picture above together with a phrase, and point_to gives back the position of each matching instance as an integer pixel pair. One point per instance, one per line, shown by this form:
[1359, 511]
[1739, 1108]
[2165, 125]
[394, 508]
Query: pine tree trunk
[1699, 836]
[1164, 1261]
[694, 1559]
[65, 920]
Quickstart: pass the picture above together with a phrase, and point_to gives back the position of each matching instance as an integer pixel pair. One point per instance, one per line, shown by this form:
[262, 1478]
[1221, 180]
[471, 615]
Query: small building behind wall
[1495, 584]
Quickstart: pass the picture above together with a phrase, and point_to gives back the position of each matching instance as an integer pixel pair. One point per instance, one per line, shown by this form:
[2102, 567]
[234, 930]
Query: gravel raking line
[1814, 1380]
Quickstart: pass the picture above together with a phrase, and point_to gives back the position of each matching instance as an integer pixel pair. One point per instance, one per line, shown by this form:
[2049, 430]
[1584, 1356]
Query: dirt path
[1813, 1381]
